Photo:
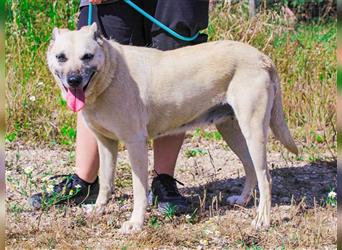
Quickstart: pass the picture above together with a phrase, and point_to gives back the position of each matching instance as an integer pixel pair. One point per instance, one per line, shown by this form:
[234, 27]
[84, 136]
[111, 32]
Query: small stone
[285, 200]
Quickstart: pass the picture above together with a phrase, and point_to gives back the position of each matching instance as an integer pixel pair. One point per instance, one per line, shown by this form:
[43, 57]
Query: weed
[16, 208]
[331, 199]
[10, 137]
[254, 247]
[52, 243]
[195, 152]
[209, 135]
[80, 221]
[170, 211]
[69, 135]
[191, 218]
[154, 222]
[124, 170]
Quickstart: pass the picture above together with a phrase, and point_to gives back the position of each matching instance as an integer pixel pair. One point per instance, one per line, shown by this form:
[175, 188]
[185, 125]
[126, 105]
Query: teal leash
[90, 14]
[149, 17]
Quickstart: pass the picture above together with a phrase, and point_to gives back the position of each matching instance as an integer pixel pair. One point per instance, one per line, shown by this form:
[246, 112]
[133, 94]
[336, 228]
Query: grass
[195, 152]
[301, 222]
[304, 54]
[36, 112]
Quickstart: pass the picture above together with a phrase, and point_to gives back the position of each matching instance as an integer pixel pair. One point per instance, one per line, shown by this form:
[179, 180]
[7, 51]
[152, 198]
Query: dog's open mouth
[76, 96]
[91, 77]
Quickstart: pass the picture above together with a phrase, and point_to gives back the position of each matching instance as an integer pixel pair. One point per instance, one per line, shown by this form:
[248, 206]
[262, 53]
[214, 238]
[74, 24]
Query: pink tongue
[75, 99]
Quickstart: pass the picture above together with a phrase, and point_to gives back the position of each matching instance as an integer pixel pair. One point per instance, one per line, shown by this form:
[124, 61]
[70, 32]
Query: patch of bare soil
[210, 171]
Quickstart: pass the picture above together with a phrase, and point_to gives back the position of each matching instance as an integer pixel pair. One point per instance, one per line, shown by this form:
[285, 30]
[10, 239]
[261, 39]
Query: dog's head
[74, 58]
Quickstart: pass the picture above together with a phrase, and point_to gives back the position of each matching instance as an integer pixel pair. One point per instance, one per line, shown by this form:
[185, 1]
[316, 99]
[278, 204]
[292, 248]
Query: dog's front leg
[139, 160]
[108, 154]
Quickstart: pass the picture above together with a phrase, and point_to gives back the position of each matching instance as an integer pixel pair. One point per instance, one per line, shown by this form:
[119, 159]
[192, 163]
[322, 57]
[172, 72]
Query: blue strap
[149, 17]
[90, 14]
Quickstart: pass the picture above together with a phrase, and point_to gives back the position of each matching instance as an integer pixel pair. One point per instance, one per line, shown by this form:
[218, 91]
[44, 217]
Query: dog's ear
[95, 33]
[55, 33]
[93, 27]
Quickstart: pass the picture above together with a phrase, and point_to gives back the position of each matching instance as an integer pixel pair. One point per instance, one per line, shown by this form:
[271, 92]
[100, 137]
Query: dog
[132, 93]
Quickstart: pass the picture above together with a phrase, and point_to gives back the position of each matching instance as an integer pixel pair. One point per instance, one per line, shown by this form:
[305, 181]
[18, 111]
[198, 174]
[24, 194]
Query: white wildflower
[49, 189]
[332, 194]
[32, 98]
[204, 242]
[188, 217]
[28, 170]
[46, 178]
[40, 83]
[207, 231]
[217, 233]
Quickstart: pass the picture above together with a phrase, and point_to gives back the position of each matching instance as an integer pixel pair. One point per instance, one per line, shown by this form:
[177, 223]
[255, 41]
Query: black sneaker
[72, 190]
[164, 194]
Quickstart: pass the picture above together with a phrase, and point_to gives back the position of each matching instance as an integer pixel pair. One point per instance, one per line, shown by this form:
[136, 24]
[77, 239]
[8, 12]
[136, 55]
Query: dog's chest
[98, 125]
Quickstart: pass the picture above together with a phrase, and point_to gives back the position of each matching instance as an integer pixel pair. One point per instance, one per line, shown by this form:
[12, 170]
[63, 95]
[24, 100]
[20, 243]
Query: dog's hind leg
[231, 133]
[251, 95]
[138, 155]
[108, 154]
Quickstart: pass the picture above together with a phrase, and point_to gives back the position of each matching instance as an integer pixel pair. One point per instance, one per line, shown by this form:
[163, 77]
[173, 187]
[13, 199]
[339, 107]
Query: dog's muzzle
[74, 81]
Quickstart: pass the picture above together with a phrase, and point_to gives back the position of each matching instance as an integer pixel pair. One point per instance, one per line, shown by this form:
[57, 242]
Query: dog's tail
[278, 123]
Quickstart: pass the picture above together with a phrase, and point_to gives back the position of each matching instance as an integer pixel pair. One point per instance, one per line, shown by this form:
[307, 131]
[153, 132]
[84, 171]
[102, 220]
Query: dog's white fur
[140, 93]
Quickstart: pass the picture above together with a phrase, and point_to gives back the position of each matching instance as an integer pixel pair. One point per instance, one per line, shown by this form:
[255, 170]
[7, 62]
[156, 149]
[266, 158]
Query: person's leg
[87, 155]
[81, 187]
[166, 150]
[185, 17]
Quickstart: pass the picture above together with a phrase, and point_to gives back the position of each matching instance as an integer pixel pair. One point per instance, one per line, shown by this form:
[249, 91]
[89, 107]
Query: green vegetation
[339, 78]
[35, 110]
[331, 199]
[304, 54]
[195, 152]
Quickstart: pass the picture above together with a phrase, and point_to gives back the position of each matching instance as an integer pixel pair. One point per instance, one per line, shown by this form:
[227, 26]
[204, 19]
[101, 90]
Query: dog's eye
[61, 57]
[87, 57]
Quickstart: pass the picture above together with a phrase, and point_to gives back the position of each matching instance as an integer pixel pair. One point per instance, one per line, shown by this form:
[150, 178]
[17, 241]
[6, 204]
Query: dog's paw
[236, 199]
[129, 227]
[99, 209]
[261, 222]
[100, 204]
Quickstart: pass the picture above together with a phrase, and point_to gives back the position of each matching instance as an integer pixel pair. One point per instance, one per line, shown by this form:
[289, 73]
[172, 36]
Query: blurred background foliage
[300, 37]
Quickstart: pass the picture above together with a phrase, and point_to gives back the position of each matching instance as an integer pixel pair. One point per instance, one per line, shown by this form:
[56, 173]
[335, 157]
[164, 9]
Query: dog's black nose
[74, 80]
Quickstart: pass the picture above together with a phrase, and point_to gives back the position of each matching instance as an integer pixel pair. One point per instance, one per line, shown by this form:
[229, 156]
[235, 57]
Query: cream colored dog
[133, 93]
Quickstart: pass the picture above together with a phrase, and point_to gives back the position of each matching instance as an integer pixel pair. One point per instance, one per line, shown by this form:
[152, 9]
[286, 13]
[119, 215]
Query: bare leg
[166, 150]
[87, 156]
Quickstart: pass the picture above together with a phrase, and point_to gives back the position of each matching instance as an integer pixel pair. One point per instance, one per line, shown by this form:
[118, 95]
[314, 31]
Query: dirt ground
[210, 172]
